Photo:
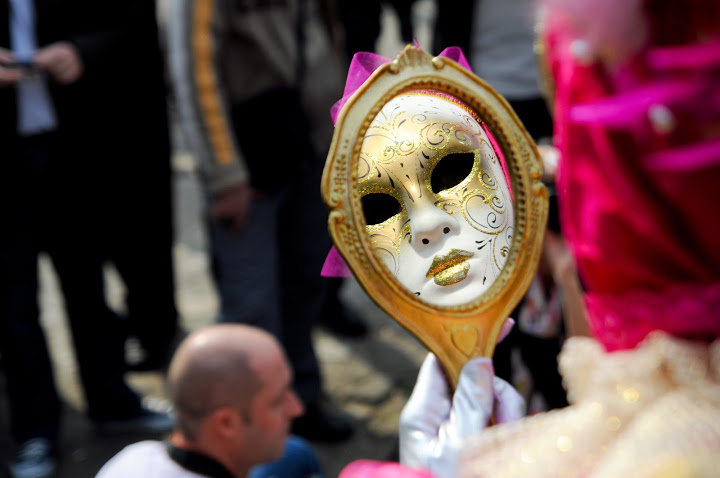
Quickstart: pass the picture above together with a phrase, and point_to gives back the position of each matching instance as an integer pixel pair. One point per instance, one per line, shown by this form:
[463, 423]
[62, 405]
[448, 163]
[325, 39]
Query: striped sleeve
[193, 31]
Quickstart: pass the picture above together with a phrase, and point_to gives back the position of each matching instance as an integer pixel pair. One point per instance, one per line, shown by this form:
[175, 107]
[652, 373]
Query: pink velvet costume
[640, 168]
[636, 95]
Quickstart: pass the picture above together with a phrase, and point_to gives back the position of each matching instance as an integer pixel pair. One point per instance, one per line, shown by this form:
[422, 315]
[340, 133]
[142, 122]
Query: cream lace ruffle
[653, 411]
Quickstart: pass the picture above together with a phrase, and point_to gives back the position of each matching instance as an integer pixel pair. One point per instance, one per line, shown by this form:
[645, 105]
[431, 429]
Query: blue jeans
[299, 461]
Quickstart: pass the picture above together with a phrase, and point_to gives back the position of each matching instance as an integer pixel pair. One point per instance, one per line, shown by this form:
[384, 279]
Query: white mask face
[437, 203]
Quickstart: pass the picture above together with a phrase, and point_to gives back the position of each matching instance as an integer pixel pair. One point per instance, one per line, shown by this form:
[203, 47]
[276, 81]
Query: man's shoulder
[147, 458]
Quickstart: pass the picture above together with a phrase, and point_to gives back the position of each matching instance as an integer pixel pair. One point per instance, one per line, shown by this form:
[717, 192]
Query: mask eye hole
[379, 207]
[451, 170]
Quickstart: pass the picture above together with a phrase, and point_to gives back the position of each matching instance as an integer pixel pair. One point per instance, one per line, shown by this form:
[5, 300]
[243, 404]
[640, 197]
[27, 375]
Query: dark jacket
[118, 54]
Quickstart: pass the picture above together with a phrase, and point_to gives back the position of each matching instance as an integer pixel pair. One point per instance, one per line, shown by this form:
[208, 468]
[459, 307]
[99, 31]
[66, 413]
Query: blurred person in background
[361, 23]
[58, 75]
[254, 82]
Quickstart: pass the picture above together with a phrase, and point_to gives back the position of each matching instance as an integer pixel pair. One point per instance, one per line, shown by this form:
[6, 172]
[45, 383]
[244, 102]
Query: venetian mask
[435, 197]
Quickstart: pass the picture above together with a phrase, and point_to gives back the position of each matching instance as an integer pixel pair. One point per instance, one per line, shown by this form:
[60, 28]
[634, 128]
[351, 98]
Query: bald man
[231, 386]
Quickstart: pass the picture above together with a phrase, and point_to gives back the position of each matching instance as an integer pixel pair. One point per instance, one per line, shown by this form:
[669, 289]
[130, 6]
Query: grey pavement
[368, 378]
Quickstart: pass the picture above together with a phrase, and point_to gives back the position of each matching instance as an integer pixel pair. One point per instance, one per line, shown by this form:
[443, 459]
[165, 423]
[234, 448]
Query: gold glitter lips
[450, 268]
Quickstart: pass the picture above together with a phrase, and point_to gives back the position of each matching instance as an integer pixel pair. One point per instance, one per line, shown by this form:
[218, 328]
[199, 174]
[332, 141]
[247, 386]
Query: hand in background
[8, 76]
[232, 206]
[559, 257]
[551, 158]
[434, 423]
[61, 61]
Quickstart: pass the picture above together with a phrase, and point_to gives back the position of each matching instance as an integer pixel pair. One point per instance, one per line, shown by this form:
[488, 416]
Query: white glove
[433, 425]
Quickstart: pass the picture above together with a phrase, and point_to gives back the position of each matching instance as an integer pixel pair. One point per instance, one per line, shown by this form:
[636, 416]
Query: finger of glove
[472, 403]
[509, 404]
[445, 463]
[429, 403]
[427, 408]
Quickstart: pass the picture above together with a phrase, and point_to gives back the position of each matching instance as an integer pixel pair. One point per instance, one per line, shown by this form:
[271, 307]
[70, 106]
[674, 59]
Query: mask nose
[430, 226]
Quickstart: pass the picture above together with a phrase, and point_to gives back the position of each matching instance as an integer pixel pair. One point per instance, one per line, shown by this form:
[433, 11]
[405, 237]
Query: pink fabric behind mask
[639, 206]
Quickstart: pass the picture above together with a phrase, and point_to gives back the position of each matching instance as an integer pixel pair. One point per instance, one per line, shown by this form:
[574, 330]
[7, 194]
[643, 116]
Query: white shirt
[145, 459]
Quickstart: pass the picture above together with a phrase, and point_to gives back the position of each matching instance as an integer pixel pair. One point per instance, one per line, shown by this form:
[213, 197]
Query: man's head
[231, 388]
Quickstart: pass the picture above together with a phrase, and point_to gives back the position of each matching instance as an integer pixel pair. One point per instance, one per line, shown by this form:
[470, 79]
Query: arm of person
[195, 32]
[564, 272]
[561, 261]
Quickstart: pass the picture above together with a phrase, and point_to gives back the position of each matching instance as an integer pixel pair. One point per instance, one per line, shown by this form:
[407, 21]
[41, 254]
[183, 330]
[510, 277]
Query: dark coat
[123, 71]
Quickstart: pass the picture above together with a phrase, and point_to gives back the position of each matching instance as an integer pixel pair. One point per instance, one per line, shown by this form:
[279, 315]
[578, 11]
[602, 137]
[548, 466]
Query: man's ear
[227, 422]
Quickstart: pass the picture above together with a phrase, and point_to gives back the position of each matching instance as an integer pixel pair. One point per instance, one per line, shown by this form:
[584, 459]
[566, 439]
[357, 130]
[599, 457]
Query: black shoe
[143, 357]
[148, 363]
[34, 459]
[343, 322]
[322, 424]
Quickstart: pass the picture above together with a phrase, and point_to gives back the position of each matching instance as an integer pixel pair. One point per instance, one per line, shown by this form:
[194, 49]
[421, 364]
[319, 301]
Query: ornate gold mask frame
[455, 334]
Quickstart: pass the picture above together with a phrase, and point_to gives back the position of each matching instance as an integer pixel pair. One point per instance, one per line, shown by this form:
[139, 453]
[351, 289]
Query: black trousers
[139, 234]
[49, 205]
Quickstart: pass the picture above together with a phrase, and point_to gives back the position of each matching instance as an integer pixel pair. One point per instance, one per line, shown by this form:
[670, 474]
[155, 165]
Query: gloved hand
[433, 425]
